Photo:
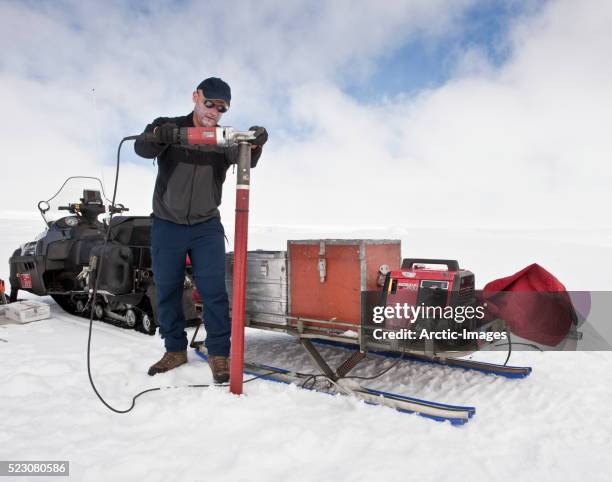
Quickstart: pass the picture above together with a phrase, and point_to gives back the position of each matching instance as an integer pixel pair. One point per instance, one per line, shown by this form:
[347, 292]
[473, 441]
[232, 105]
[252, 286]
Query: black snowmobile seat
[131, 230]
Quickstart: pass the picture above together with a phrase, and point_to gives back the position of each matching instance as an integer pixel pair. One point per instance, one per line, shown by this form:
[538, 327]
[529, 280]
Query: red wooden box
[327, 276]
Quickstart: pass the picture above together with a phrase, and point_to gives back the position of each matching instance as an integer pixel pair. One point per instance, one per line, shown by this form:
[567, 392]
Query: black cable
[303, 384]
[400, 358]
[312, 377]
[509, 348]
[514, 343]
[257, 377]
[95, 294]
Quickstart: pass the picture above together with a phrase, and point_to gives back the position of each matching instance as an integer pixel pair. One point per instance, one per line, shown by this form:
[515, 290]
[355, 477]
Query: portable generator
[427, 286]
[425, 304]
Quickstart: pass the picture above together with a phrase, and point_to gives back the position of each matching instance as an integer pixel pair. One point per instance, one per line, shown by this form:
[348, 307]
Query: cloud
[521, 143]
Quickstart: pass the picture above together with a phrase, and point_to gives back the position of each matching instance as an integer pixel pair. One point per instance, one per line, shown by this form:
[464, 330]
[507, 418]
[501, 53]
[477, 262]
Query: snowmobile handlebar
[71, 208]
[77, 208]
[117, 209]
[205, 136]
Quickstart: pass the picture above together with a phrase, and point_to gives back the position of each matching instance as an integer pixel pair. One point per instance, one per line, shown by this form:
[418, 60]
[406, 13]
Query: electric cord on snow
[94, 295]
[311, 379]
[380, 374]
[93, 298]
[509, 347]
[530, 345]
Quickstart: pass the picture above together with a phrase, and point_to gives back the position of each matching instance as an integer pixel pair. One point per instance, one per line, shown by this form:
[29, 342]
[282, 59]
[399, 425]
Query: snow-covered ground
[553, 425]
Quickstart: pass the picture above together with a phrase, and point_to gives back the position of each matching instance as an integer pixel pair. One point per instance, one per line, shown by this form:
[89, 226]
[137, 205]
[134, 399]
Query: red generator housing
[416, 283]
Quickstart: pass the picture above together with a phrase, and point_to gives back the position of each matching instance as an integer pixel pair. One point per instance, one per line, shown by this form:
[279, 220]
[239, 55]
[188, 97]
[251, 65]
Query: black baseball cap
[216, 88]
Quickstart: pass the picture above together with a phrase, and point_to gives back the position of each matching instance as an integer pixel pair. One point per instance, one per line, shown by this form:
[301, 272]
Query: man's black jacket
[189, 183]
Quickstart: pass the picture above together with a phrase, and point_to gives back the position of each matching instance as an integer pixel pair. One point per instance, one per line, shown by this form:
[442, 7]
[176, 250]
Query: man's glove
[261, 135]
[166, 134]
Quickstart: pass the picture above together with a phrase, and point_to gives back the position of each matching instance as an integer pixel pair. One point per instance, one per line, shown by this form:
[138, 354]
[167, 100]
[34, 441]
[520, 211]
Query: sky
[437, 113]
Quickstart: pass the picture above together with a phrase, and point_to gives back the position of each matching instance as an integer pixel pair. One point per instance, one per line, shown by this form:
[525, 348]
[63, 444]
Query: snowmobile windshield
[77, 196]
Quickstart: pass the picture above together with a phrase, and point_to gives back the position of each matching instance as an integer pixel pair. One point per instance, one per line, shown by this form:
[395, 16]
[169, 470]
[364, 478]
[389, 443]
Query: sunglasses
[209, 104]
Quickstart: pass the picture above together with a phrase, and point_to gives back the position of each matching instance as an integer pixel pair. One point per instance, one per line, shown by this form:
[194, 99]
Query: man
[186, 220]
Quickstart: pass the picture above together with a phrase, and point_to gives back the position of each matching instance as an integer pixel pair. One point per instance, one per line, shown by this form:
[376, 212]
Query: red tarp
[534, 304]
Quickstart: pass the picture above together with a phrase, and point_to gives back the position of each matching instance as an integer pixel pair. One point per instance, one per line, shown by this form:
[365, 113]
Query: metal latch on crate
[322, 262]
[383, 271]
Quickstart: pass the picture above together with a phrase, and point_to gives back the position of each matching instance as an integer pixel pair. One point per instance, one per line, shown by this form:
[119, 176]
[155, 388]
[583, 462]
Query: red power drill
[206, 136]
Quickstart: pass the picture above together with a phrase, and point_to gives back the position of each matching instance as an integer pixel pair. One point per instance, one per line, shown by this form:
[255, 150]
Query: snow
[552, 425]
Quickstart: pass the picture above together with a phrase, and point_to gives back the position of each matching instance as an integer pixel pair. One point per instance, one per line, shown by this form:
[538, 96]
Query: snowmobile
[61, 260]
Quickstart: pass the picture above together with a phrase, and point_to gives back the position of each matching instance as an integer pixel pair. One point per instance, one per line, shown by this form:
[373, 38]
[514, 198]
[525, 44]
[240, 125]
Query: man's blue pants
[204, 242]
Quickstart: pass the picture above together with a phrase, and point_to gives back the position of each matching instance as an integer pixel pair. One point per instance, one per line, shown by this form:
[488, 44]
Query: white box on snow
[26, 311]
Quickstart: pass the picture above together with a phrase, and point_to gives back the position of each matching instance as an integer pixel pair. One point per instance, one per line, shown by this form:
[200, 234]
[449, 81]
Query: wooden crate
[327, 276]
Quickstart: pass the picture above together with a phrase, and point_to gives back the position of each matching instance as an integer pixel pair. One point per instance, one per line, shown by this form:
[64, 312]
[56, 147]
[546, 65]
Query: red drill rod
[241, 235]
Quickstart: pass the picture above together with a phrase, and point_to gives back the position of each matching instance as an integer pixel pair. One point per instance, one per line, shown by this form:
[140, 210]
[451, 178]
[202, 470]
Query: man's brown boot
[170, 360]
[220, 368]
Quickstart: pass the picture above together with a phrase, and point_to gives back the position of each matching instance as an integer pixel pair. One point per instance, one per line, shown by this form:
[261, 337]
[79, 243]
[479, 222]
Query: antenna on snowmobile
[97, 129]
